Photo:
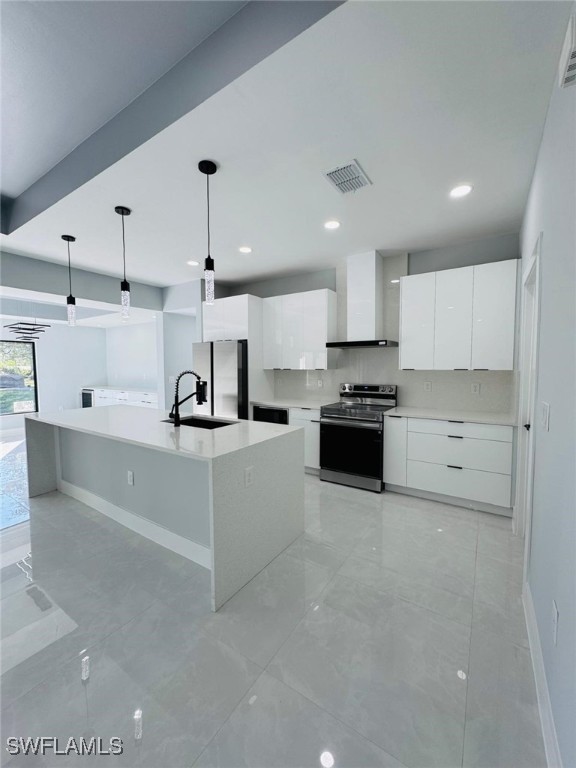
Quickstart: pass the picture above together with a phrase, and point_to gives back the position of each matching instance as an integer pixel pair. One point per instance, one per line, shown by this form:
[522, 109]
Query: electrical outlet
[555, 617]
[320, 383]
[427, 386]
[85, 668]
[545, 416]
[475, 388]
[130, 476]
[248, 476]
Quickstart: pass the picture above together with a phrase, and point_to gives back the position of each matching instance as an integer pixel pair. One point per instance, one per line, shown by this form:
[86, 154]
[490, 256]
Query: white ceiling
[69, 67]
[424, 95]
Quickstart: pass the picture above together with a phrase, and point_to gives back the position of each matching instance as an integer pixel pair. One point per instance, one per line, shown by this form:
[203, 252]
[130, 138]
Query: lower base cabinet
[473, 484]
[461, 459]
[309, 419]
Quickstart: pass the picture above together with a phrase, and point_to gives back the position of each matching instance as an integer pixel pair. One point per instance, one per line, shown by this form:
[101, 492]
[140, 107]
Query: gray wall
[171, 491]
[552, 576]
[46, 277]
[280, 286]
[179, 335]
[484, 251]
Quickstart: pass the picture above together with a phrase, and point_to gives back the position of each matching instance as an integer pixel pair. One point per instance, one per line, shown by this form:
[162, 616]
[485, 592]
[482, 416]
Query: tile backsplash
[450, 389]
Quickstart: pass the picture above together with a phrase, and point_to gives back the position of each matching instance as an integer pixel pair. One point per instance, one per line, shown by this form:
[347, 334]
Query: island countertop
[146, 427]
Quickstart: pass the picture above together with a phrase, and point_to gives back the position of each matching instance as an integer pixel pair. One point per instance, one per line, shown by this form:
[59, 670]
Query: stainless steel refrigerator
[224, 366]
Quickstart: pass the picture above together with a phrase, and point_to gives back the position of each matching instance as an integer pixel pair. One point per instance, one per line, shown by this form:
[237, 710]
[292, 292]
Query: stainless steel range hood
[374, 343]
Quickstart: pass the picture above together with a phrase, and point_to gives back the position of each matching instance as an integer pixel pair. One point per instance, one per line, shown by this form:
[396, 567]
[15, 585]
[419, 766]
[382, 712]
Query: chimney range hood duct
[364, 304]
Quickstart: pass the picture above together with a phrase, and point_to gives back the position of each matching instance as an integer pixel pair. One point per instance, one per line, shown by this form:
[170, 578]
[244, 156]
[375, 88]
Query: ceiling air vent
[568, 58]
[348, 178]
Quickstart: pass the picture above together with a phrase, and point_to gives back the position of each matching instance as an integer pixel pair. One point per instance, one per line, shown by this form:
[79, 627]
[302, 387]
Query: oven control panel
[368, 389]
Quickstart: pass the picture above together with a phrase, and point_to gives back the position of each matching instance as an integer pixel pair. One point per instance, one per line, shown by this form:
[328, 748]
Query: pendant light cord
[208, 208]
[69, 269]
[123, 247]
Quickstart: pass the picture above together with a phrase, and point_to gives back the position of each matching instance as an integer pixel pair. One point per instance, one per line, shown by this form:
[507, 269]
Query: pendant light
[122, 211]
[70, 301]
[208, 168]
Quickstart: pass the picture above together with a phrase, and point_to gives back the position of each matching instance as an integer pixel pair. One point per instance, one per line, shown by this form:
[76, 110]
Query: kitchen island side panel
[253, 523]
[169, 490]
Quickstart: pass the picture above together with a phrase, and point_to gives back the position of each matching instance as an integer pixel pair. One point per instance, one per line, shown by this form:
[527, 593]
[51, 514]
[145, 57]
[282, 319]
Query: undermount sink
[201, 422]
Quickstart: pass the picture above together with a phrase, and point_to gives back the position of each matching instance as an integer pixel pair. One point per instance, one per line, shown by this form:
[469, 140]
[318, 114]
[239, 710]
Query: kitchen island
[230, 498]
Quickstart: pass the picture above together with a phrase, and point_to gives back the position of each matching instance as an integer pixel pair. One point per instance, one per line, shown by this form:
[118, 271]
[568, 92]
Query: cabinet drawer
[304, 414]
[487, 455]
[489, 487]
[462, 429]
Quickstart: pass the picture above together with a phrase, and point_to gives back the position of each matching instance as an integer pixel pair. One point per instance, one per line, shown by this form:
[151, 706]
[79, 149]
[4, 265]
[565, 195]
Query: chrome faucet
[199, 394]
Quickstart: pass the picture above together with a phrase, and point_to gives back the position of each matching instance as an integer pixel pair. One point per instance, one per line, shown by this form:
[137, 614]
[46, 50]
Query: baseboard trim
[553, 756]
[152, 531]
[455, 501]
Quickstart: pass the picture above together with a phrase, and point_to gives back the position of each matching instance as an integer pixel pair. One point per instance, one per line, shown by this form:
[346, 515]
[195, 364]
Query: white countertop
[121, 389]
[478, 417]
[145, 427]
[315, 404]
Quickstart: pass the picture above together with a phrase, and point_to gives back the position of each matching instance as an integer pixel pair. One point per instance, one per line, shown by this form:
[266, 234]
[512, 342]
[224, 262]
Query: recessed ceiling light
[332, 224]
[245, 249]
[192, 263]
[394, 281]
[461, 190]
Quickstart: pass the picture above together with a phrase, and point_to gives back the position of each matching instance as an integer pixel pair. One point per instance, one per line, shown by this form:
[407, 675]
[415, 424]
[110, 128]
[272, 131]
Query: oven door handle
[347, 423]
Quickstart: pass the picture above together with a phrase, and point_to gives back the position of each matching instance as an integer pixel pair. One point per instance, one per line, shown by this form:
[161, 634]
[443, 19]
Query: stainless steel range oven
[352, 435]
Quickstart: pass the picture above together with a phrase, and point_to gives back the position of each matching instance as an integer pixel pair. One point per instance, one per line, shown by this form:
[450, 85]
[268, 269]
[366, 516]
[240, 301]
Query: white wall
[66, 360]
[179, 335]
[450, 389]
[551, 210]
[131, 352]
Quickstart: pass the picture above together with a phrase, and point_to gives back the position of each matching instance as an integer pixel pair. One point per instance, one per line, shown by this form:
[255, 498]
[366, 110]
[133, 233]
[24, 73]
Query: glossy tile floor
[13, 479]
[392, 634]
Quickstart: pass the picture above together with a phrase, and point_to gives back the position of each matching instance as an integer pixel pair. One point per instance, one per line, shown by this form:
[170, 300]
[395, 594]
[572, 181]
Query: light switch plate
[475, 388]
[130, 477]
[545, 416]
[427, 386]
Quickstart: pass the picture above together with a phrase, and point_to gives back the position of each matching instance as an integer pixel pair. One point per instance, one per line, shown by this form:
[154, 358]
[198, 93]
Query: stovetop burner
[362, 401]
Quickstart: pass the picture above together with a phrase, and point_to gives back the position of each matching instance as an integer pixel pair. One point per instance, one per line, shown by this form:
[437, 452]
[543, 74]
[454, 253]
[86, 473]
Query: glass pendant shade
[71, 307]
[125, 299]
[209, 280]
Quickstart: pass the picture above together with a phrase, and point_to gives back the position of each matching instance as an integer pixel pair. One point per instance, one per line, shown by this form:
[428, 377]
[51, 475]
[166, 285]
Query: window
[18, 391]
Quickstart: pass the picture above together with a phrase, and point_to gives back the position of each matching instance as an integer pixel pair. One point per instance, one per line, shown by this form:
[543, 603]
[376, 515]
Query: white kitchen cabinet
[466, 452]
[272, 332]
[395, 437]
[466, 460]
[296, 329]
[453, 319]
[227, 319]
[459, 319]
[309, 420]
[493, 316]
[487, 487]
[417, 305]
[125, 397]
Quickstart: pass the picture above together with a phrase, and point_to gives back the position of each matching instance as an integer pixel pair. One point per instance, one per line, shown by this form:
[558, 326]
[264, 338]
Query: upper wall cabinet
[493, 315]
[296, 329]
[459, 319]
[453, 319]
[227, 319]
[417, 321]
